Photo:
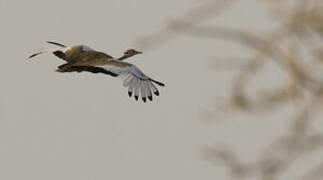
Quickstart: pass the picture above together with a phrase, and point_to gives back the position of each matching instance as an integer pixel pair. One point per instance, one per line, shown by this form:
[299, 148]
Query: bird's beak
[138, 52]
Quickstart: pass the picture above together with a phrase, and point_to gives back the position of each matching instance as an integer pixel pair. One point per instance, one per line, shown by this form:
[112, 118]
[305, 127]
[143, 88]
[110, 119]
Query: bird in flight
[81, 58]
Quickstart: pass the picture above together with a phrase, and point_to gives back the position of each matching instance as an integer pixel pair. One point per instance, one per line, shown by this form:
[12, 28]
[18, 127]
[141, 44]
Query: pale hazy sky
[83, 126]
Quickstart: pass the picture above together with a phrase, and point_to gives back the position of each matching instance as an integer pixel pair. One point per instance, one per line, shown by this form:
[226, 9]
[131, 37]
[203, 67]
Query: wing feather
[154, 89]
[127, 80]
[42, 51]
[62, 48]
[143, 91]
[149, 94]
[137, 82]
[132, 85]
[137, 87]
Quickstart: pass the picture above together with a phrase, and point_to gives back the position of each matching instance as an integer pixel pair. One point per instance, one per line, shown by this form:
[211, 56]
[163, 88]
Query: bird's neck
[124, 57]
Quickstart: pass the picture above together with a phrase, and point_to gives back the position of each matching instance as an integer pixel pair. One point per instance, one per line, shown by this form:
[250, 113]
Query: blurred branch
[279, 155]
[314, 174]
[195, 16]
[296, 48]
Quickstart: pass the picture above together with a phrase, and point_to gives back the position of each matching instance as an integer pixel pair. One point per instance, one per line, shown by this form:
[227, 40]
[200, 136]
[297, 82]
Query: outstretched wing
[67, 53]
[58, 51]
[137, 82]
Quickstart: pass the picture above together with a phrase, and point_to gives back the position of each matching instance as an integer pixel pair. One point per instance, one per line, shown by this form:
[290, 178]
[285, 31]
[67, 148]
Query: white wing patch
[136, 81]
[86, 48]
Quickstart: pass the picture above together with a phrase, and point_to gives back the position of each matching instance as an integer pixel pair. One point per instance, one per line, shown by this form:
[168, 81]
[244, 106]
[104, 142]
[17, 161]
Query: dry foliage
[296, 47]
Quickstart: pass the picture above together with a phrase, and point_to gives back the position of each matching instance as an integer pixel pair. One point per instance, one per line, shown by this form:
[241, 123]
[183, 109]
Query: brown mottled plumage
[81, 58]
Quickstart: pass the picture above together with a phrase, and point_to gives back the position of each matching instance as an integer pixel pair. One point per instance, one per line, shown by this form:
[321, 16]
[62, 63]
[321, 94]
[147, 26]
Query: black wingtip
[150, 98]
[157, 82]
[161, 84]
[31, 56]
[129, 93]
[55, 43]
[136, 97]
[156, 93]
[144, 99]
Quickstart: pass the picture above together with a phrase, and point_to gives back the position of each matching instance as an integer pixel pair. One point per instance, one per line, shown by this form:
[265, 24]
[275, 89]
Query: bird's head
[131, 52]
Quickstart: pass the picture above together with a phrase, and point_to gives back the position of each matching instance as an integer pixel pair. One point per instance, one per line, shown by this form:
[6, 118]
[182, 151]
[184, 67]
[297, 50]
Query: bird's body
[81, 58]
